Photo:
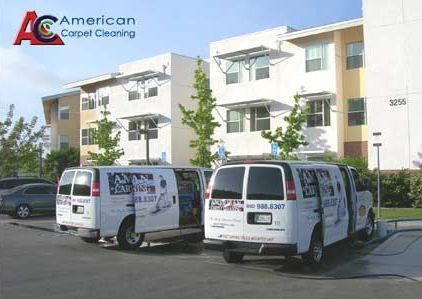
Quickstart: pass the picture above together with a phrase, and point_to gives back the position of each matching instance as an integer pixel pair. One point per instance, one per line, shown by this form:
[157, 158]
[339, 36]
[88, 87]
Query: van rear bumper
[254, 248]
[78, 231]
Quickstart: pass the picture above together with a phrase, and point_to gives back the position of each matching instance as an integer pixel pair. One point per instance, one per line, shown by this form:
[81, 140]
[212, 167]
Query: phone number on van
[267, 206]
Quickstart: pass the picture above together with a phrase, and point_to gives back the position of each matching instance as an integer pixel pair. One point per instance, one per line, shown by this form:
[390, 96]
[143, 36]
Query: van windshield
[265, 183]
[65, 185]
[228, 183]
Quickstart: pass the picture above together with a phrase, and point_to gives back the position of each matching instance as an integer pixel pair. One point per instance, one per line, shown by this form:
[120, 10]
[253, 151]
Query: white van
[285, 208]
[130, 202]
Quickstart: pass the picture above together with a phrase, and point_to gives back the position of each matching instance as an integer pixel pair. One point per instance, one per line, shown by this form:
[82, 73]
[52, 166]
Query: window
[136, 126]
[356, 112]
[133, 130]
[38, 190]
[354, 53]
[103, 96]
[316, 57]
[85, 104]
[63, 142]
[82, 185]
[259, 67]
[151, 92]
[64, 112]
[360, 186]
[319, 113]
[228, 183]
[65, 185]
[104, 100]
[260, 119]
[265, 183]
[207, 175]
[92, 102]
[87, 136]
[235, 120]
[134, 95]
[233, 72]
[152, 128]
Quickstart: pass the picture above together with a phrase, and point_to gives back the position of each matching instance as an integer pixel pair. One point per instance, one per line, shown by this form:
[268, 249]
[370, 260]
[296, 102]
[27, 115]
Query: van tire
[232, 257]
[90, 240]
[315, 255]
[367, 233]
[127, 238]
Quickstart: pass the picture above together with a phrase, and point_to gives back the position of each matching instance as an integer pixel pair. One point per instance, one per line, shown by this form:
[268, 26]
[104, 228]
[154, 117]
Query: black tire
[127, 238]
[90, 240]
[233, 257]
[315, 255]
[23, 211]
[367, 233]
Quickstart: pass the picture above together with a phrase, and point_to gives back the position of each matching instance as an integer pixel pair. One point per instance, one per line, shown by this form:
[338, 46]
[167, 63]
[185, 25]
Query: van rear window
[228, 183]
[265, 183]
[65, 185]
[82, 185]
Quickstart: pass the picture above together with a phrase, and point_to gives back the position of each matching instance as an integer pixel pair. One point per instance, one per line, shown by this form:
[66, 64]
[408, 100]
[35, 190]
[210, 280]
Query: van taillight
[95, 189]
[291, 190]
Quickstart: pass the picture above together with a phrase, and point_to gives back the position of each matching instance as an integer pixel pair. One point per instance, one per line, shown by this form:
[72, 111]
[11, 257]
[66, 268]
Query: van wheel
[90, 240]
[23, 211]
[367, 233]
[127, 237]
[232, 257]
[315, 255]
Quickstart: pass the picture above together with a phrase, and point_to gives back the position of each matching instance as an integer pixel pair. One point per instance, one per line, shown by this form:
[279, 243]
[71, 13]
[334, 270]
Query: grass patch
[392, 213]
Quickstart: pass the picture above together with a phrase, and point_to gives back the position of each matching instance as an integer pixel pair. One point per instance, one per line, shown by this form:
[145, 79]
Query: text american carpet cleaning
[100, 27]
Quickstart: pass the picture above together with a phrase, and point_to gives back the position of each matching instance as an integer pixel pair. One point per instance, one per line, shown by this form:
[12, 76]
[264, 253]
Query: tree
[201, 120]
[292, 138]
[108, 145]
[57, 161]
[19, 144]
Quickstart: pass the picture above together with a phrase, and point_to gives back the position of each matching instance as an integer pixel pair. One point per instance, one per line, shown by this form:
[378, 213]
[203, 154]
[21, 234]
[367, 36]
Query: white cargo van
[130, 202]
[285, 208]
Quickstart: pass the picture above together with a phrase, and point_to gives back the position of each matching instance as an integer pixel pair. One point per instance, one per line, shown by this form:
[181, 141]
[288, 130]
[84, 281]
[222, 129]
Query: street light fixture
[377, 143]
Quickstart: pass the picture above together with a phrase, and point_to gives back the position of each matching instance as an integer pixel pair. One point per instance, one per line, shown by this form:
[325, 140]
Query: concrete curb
[33, 226]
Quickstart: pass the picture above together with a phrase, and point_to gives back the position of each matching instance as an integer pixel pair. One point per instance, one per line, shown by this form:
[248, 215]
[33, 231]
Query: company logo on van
[227, 205]
[123, 183]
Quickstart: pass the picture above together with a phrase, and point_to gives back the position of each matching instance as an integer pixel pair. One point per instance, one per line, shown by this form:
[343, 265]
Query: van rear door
[64, 198]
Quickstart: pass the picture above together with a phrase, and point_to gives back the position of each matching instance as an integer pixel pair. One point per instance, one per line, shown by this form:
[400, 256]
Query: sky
[28, 73]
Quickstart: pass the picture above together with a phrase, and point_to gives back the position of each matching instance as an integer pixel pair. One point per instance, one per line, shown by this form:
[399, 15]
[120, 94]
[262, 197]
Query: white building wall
[393, 47]
[287, 77]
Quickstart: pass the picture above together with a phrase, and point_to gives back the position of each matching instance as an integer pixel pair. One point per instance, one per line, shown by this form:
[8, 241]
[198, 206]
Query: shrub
[395, 190]
[416, 189]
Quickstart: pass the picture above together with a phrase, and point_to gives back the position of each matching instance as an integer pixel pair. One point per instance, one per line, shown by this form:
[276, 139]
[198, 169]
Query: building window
[64, 112]
[104, 100]
[136, 127]
[134, 95]
[151, 92]
[134, 133]
[319, 113]
[85, 104]
[103, 96]
[87, 136]
[259, 67]
[63, 142]
[233, 72]
[356, 112]
[260, 119]
[354, 53]
[152, 128]
[235, 120]
[316, 57]
[92, 103]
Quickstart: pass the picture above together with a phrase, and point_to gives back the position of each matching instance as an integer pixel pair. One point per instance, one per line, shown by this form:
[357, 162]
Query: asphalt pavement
[38, 263]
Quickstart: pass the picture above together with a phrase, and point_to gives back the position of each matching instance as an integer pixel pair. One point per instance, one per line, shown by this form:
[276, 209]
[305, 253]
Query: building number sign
[398, 102]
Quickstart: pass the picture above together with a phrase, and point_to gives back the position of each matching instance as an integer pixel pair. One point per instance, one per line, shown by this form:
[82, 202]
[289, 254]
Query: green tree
[108, 145]
[19, 144]
[57, 161]
[201, 120]
[290, 139]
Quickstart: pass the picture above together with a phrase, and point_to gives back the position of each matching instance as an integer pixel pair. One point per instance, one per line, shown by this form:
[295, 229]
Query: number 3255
[397, 102]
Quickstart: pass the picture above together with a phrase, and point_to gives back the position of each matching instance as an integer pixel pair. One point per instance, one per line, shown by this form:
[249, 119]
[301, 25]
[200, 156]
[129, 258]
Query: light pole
[377, 143]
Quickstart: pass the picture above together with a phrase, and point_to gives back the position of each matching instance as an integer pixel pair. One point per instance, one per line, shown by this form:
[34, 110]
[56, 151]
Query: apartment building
[394, 75]
[142, 96]
[61, 112]
[255, 77]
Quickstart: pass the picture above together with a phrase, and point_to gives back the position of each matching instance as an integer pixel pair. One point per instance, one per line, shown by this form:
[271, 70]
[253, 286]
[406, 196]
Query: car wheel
[315, 254]
[232, 257]
[90, 240]
[23, 211]
[367, 233]
[127, 237]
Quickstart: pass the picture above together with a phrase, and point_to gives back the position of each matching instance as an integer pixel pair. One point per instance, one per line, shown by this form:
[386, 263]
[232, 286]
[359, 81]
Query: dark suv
[11, 182]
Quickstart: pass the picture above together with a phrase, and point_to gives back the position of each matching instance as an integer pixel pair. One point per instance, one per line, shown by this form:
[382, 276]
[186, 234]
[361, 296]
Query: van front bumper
[254, 248]
[78, 231]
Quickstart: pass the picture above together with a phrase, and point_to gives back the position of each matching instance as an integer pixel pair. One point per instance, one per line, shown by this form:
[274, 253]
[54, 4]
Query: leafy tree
[290, 139]
[108, 145]
[201, 120]
[57, 161]
[19, 144]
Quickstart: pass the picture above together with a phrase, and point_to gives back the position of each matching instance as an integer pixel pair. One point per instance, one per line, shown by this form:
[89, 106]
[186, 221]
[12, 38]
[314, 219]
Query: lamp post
[377, 143]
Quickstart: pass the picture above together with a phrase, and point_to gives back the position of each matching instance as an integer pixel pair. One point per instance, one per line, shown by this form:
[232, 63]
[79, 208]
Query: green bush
[416, 189]
[395, 190]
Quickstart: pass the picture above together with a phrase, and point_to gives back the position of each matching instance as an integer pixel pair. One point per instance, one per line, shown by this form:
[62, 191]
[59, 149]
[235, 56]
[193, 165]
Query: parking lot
[36, 262]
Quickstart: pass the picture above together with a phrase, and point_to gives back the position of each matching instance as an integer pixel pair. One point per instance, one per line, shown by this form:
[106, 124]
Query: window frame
[356, 112]
[228, 72]
[253, 68]
[62, 108]
[152, 131]
[324, 57]
[240, 121]
[89, 136]
[352, 56]
[281, 182]
[25, 192]
[326, 121]
[59, 142]
[254, 119]
[84, 103]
